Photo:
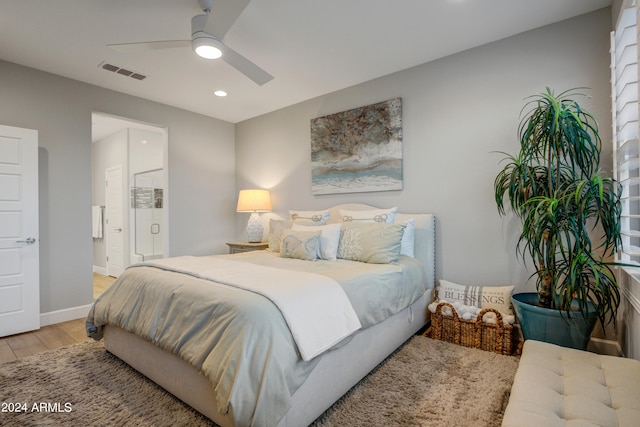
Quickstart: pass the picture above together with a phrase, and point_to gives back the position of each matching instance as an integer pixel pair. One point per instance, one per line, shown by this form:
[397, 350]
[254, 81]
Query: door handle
[117, 229]
[28, 241]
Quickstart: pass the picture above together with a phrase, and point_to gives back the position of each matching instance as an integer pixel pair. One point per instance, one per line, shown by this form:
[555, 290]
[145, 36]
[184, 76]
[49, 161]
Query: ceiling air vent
[122, 71]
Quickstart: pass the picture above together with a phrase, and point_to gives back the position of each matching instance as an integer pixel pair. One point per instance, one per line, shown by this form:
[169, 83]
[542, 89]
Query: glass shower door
[147, 204]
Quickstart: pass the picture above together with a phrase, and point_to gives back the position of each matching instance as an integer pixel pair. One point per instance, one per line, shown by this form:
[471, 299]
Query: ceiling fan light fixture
[206, 46]
[208, 52]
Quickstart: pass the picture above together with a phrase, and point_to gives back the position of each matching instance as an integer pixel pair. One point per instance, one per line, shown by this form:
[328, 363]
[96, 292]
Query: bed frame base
[335, 374]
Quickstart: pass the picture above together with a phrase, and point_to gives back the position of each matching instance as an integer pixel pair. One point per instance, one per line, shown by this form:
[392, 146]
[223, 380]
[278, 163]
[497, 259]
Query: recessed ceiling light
[220, 93]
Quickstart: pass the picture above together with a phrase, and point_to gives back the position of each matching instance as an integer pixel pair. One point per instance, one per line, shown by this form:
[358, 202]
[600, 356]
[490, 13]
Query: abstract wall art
[358, 150]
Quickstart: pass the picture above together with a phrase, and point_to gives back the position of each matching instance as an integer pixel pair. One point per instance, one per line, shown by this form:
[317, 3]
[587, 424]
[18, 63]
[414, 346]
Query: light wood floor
[52, 336]
[100, 284]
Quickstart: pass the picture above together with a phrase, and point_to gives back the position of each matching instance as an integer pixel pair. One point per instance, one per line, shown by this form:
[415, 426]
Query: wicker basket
[497, 337]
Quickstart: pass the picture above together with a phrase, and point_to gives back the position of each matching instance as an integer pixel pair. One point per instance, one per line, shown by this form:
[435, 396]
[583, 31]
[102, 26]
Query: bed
[280, 391]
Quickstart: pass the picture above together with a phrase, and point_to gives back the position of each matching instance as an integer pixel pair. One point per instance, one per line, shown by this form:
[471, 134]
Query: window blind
[626, 144]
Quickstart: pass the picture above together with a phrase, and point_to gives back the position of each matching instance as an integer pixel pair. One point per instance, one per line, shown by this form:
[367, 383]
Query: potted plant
[570, 218]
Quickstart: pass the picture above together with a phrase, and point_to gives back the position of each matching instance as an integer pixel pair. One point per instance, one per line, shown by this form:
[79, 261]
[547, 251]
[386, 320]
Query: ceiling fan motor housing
[204, 44]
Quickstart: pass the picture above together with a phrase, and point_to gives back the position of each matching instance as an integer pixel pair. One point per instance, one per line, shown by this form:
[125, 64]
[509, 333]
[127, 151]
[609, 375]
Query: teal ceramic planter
[548, 325]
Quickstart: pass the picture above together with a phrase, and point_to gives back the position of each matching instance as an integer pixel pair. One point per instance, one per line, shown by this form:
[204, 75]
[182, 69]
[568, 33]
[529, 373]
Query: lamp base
[254, 228]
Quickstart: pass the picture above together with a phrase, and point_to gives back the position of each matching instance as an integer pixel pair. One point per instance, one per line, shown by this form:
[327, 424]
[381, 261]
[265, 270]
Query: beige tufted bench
[558, 386]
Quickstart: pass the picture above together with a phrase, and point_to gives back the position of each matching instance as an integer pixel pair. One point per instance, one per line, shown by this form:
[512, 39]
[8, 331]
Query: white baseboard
[100, 270]
[64, 315]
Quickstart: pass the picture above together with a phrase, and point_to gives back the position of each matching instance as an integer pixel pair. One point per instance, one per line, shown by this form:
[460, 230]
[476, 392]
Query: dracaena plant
[570, 212]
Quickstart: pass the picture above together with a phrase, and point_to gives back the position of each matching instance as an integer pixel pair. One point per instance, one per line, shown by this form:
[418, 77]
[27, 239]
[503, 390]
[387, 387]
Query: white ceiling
[312, 47]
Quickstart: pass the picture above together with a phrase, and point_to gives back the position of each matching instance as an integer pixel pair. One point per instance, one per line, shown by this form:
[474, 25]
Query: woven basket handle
[499, 328]
[437, 326]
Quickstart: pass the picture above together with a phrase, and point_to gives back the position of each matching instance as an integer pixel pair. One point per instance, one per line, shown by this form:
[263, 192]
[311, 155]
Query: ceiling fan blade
[136, 47]
[223, 16]
[245, 66]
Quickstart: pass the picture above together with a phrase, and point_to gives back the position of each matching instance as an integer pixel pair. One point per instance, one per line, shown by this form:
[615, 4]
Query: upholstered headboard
[425, 242]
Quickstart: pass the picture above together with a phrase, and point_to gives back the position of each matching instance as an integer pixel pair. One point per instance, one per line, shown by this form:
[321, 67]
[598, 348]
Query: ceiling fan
[207, 38]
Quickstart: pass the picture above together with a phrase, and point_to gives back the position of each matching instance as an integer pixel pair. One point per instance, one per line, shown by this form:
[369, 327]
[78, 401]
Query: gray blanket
[238, 339]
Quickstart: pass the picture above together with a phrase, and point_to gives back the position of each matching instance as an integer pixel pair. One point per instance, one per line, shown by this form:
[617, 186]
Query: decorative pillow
[498, 297]
[276, 228]
[375, 243]
[300, 244]
[407, 247]
[329, 238]
[371, 215]
[310, 217]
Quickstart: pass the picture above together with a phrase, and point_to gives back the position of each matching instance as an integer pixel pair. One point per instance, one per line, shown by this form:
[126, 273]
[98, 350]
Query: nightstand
[237, 247]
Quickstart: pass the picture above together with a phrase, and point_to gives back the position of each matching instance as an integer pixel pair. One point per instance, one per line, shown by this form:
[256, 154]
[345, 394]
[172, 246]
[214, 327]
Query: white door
[114, 223]
[19, 236]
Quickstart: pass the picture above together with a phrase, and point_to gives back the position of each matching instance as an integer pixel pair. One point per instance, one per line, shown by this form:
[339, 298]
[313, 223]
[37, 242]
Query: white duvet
[315, 307]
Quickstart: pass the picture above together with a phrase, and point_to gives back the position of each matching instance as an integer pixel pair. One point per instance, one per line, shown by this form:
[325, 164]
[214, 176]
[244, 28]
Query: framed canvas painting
[358, 150]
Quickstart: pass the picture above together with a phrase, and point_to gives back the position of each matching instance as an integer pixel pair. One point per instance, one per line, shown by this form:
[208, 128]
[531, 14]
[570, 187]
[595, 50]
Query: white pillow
[498, 297]
[407, 247]
[370, 215]
[310, 217]
[329, 238]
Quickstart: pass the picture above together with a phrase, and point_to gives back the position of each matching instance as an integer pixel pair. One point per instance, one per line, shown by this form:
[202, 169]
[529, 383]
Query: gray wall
[201, 186]
[457, 112]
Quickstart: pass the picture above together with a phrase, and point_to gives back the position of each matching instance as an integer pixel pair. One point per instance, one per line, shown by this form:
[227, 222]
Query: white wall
[145, 154]
[457, 112]
[201, 174]
[108, 152]
[145, 151]
[629, 316]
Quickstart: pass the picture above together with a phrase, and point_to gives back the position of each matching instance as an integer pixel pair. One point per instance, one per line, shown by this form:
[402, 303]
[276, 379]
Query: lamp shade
[254, 201]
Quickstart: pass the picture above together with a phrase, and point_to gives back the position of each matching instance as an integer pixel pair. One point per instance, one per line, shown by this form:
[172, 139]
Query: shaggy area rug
[429, 383]
[425, 383]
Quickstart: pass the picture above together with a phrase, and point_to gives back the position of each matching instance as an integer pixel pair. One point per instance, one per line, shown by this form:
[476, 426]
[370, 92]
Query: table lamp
[254, 201]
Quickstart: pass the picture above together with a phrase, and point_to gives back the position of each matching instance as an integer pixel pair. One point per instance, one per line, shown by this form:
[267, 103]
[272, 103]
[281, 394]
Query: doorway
[139, 151]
